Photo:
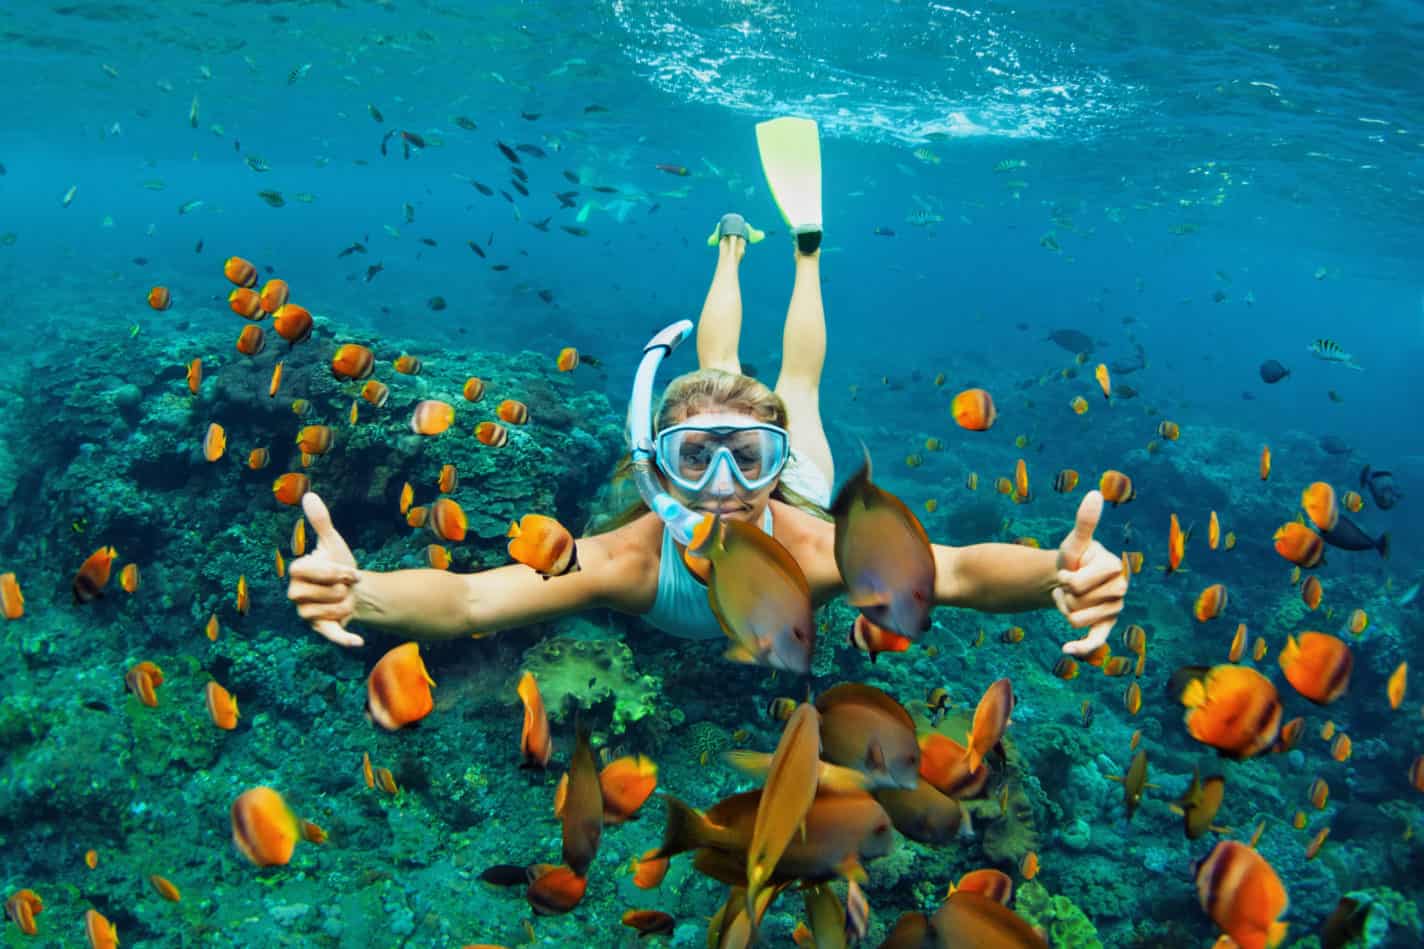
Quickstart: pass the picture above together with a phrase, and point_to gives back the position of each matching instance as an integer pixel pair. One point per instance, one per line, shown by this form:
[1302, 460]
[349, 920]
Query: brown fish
[583, 808]
[864, 728]
[788, 794]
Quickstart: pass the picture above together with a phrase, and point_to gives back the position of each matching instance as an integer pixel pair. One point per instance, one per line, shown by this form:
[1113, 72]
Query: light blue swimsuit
[681, 608]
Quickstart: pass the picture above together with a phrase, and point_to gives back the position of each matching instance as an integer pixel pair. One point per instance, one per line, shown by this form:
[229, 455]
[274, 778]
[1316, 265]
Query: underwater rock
[586, 672]
[1077, 836]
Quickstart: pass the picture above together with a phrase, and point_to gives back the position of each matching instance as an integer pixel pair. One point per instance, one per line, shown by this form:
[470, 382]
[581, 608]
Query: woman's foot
[734, 233]
[808, 243]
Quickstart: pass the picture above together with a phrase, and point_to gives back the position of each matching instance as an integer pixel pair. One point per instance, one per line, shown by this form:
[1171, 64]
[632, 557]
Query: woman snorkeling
[719, 443]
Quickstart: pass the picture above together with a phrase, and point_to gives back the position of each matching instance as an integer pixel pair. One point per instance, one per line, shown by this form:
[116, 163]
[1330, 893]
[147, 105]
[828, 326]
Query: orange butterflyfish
[1238, 644]
[315, 439]
[1104, 380]
[1079, 405]
[990, 883]
[1115, 666]
[1132, 698]
[353, 361]
[387, 781]
[447, 520]
[1021, 480]
[541, 543]
[535, 742]
[1134, 559]
[1317, 665]
[1311, 591]
[1416, 774]
[1135, 740]
[251, 340]
[474, 389]
[1265, 466]
[625, 784]
[431, 417]
[1316, 842]
[264, 829]
[1099, 657]
[240, 272]
[1066, 480]
[408, 365]
[437, 556]
[1210, 602]
[195, 375]
[159, 298]
[246, 303]
[1299, 545]
[1295, 575]
[991, 719]
[1135, 638]
[650, 869]
[513, 411]
[1229, 541]
[22, 907]
[1397, 681]
[222, 707]
[1176, 545]
[128, 578]
[1003, 485]
[354, 414]
[274, 294]
[214, 442]
[1319, 793]
[1256, 834]
[567, 360]
[398, 689]
[1242, 894]
[1213, 531]
[210, 630]
[12, 601]
[555, 890]
[1066, 668]
[375, 392]
[289, 488]
[279, 563]
[971, 481]
[142, 680]
[299, 537]
[1171, 431]
[973, 409]
[366, 770]
[873, 640]
[1353, 502]
[449, 479]
[276, 382]
[257, 459]
[242, 602]
[1116, 487]
[292, 322]
[1234, 709]
[417, 516]
[1299, 820]
[93, 575]
[1028, 866]
[492, 434]
[1327, 731]
[1341, 747]
[1359, 619]
[1258, 648]
[407, 497]
[1290, 734]
[101, 933]
[649, 922]
[1321, 505]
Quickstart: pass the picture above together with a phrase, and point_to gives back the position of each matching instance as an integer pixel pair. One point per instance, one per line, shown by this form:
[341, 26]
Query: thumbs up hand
[1091, 585]
[321, 583]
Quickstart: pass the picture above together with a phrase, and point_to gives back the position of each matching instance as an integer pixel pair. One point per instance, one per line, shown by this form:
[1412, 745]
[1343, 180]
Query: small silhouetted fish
[436, 303]
[566, 198]
[1218, 296]
[654, 209]
[507, 152]
[483, 189]
[1125, 367]
[1333, 445]
[386, 138]
[1381, 487]
[505, 874]
[372, 270]
[1021, 326]
[547, 296]
[573, 177]
[375, 113]
[541, 225]
[466, 123]
[529, 116]
[505, 194]
[1124, 391]
[1335, 396]
[590, 109]
[1347, 535]
[97, 705]
[355, 248]
[1346, 924]
[519, 173]
[141, 261]
[413, 138]
[575, 230]
[429, 242]
[519, 187]
[257, 163]
[273, 198]
[499, 267]
[1249, 397]
[1273, 372]
[475, 247]
[534, 150]
[884, 232]
[1072, 340]
[409, 210]
[605, 189]
[3, 172]
[198, 247]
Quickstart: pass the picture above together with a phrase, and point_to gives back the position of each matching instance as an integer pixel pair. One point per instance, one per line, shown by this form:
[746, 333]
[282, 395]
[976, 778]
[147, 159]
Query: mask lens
[690, 456]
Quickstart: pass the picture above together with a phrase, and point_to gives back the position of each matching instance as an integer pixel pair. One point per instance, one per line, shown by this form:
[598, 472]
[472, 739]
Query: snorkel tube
[680, 521]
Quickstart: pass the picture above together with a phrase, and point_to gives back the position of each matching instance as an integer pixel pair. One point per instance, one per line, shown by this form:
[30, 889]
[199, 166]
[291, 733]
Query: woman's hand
[1090, 580]
[321, 583]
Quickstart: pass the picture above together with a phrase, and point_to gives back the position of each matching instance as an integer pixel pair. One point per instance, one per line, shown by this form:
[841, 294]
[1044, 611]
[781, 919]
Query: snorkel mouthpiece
[680, 521]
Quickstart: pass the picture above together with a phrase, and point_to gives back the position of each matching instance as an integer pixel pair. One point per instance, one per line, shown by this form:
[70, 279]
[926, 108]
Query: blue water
[1271, 156]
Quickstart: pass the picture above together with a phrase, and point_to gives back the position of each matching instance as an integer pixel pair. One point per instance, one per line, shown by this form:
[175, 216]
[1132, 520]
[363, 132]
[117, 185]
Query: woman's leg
[803, 353]
[719, 328]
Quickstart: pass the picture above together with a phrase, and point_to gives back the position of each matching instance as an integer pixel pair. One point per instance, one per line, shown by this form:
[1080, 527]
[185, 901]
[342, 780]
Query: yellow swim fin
[791, 159]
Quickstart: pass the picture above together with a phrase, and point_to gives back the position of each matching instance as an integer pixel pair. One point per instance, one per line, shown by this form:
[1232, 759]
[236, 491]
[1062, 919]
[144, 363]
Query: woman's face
[724, 494]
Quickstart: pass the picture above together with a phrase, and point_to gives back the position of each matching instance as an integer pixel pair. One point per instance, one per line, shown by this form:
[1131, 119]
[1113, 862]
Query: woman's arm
[995, 578]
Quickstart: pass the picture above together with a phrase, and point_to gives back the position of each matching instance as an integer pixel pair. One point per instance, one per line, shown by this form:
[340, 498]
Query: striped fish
[1330, 351]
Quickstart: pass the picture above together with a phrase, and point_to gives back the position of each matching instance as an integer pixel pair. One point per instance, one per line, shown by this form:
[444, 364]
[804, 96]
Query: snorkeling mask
[692, 454]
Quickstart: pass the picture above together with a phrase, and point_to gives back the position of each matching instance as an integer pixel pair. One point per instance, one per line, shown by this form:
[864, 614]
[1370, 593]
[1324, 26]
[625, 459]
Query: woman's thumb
[332, 543]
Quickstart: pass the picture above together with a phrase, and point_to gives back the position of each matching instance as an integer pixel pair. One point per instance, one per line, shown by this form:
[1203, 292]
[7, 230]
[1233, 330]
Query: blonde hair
[695, 393]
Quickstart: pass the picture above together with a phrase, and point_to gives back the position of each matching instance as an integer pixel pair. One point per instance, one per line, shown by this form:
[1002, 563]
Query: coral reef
[583, 673]
[1067, 926]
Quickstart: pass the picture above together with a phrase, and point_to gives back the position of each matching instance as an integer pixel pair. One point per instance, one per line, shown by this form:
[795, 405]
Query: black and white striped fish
[1330, 351]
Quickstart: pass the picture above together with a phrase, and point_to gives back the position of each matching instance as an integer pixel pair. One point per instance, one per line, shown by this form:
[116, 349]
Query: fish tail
[685, 830]
[1383, 545]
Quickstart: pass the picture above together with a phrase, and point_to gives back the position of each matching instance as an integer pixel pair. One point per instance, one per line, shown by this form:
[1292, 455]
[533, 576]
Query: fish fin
[851, 869]
[1176, 809]
[754, 763]
[973, 759]
[707, 537]
[1114, 777]
[1276, 934]
[686, 829]
[741, 654]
